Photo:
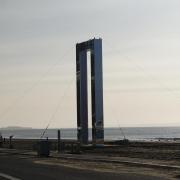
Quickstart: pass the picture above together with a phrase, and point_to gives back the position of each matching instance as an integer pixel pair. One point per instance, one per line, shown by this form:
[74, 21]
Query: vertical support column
[93, 109]
[78, 92]
[82, 97]
[97, 92]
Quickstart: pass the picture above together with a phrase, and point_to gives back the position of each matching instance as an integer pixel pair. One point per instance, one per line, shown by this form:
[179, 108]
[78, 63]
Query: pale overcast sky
[141, 60]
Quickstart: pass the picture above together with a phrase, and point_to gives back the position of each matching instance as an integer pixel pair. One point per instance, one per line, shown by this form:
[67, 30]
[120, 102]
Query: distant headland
[15, 128]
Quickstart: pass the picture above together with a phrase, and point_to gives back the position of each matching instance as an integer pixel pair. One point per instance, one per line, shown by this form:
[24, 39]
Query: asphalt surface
[23, 168]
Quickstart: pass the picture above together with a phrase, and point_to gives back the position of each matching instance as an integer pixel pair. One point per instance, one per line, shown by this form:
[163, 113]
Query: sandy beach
[158, 159]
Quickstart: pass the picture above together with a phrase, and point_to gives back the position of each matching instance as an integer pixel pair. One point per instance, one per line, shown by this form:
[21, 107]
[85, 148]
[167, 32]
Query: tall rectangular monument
[95, 48]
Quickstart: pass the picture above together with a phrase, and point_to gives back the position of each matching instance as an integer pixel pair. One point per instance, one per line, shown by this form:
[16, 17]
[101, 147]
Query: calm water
[140, 133]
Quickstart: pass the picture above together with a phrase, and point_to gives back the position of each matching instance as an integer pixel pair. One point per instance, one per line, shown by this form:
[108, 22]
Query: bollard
[72, 148]
[10, 142]
[1, 141]
[43, 148]
[59, 140]
[78, 148]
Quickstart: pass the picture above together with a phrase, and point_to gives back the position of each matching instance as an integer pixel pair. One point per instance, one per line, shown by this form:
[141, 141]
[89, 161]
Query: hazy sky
[141, 60]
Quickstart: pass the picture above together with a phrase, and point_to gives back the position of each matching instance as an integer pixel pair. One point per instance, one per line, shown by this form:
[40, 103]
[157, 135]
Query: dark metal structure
[95, 48]
[59, 140]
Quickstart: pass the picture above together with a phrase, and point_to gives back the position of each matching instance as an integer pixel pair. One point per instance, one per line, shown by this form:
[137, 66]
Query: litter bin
[43, 148]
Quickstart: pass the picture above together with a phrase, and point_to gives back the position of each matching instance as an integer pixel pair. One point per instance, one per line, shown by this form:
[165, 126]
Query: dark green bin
[43, 148]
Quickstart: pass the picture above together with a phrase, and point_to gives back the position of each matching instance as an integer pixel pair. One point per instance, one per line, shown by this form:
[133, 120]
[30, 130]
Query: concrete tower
[95, 48]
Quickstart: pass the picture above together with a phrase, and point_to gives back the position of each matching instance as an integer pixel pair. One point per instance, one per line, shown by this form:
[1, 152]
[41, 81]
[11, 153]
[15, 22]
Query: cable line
[35, 84]
[151, 77]
[59, 106]
[117, 121]
[148, 74]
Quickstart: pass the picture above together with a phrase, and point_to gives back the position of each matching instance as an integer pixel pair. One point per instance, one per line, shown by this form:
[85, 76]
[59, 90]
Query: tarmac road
[22, 168]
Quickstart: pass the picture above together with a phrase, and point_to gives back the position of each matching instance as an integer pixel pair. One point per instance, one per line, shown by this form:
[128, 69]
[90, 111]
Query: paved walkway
[17, 168]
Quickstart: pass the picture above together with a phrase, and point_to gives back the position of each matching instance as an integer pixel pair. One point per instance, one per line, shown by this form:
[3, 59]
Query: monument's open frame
[95, 48]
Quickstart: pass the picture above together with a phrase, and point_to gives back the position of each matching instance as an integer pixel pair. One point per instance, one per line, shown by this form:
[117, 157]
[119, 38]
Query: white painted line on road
[8, 176]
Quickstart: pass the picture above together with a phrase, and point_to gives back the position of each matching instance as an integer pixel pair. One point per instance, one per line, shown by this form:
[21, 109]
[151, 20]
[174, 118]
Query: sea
[131, 133]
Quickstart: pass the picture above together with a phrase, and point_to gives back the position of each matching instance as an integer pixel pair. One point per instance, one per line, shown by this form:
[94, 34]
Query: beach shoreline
[131, 156]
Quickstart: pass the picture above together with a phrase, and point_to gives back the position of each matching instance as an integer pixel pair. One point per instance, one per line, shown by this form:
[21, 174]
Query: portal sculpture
[95, 48]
